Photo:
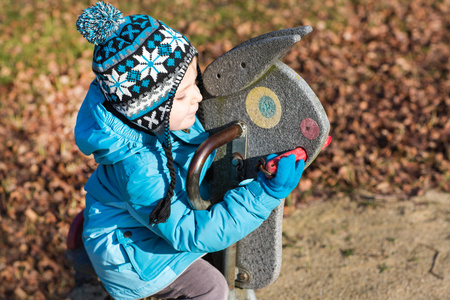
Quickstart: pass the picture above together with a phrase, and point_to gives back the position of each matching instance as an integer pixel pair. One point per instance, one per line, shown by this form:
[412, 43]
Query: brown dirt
[366, 247]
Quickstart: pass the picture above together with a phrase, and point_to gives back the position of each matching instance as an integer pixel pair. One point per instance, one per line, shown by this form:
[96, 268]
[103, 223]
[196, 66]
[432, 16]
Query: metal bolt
[243, 276]
[236, 159]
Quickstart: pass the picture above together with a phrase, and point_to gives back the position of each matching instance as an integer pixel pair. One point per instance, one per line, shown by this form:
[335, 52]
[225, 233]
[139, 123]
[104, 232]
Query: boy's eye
[180, 97]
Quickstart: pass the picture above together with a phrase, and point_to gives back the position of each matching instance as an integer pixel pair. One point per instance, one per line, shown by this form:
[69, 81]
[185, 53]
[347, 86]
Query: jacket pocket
[148, 253]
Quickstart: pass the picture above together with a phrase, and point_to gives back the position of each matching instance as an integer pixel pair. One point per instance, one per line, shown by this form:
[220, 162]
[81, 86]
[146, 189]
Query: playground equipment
[255, 105]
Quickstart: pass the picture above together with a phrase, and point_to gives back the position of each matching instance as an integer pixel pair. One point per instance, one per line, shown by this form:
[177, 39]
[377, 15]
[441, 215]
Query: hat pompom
[98, 22]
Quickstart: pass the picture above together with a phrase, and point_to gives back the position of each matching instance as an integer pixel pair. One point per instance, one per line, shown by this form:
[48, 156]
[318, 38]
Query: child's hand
[286, 179]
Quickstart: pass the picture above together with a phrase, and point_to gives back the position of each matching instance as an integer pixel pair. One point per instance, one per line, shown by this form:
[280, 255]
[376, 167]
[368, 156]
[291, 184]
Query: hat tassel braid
[161, 212]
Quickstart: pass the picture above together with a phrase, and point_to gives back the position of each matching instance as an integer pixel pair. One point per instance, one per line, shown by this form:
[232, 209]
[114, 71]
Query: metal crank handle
[195, 168]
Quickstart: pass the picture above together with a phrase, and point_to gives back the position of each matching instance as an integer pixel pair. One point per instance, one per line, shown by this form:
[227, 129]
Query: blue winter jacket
[132, 258]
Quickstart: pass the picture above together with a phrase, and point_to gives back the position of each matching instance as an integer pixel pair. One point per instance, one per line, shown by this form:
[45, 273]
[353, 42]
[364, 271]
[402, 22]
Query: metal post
[230, 271]
[229, 267]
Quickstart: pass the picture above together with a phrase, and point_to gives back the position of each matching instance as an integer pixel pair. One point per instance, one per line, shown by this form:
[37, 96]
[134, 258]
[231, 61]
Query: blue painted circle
[267, 107]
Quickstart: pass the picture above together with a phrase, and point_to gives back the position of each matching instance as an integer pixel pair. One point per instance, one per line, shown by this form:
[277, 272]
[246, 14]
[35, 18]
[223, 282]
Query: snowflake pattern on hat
[174, 39]
[150, 64]
[118, 84]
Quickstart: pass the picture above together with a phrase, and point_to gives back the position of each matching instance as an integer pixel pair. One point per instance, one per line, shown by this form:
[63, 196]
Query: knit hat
[139, 63]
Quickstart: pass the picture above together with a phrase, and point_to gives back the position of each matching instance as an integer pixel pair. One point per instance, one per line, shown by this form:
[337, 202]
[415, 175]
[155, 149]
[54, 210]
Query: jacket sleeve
[242, 210]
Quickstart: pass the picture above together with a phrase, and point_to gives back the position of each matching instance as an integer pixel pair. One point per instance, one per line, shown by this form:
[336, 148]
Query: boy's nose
[198, 96]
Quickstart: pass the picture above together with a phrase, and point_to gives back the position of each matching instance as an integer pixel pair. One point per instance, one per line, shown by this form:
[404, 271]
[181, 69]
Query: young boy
[140, 233]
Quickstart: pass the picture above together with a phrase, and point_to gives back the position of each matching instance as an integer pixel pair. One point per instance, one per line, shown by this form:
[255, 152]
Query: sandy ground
[360, 247]
[367, 247]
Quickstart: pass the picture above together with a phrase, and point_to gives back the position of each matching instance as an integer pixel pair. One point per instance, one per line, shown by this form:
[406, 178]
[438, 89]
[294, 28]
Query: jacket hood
[99, 132]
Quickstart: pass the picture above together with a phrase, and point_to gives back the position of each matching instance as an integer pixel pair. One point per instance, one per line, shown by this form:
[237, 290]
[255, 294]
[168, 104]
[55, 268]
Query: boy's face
[187, 98]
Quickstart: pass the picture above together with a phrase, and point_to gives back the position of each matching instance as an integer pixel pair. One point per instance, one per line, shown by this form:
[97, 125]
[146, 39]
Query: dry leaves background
[381, 71]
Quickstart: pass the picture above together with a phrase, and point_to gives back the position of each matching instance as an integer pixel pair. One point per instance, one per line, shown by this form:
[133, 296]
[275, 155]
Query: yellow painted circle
[263, 107]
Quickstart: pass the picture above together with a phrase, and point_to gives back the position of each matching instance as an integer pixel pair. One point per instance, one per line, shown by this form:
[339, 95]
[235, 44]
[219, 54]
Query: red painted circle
[309, 128]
